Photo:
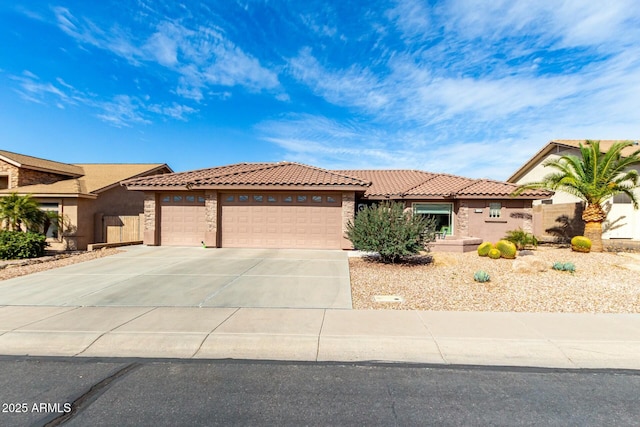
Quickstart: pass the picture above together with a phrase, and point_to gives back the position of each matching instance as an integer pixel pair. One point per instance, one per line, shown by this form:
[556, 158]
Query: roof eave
[57, 195]
[299, 187]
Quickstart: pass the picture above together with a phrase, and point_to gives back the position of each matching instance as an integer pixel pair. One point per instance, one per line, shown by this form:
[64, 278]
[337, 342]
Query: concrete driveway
[192, 277]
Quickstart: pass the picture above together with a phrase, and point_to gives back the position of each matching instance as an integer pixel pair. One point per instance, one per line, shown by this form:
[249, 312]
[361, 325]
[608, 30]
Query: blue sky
[468, 87]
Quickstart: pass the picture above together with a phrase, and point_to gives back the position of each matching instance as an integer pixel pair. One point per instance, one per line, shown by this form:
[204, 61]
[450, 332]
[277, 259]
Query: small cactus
[494, 253]
[484, 248]
[481, 276]
[570, 267]
[565, 266]
[580, 244]
[507, 249]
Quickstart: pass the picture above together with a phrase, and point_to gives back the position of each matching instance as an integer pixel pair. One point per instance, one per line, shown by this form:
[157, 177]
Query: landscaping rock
[529, 265]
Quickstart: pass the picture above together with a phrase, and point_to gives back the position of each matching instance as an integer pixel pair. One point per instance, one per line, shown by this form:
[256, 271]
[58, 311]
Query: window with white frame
[495, 209]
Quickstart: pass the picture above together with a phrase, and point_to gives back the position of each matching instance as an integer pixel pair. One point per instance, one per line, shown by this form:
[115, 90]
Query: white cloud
[200, 57]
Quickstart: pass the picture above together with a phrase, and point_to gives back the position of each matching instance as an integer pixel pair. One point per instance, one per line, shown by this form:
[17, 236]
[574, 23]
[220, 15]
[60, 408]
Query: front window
[52, 222]
[495, 210]
[442, 212]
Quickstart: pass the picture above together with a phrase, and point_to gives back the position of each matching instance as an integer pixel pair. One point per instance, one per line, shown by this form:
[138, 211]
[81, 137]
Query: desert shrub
[521, 239]
[507, 249]
[391, 231]
[494, 253]
[481, 276]
[484, 248]
[18, 245]
[580, 244]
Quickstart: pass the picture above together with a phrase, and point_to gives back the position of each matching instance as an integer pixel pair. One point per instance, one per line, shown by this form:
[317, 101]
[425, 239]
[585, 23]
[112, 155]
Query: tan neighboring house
[561, 212]
[84, 194]
[292, 205]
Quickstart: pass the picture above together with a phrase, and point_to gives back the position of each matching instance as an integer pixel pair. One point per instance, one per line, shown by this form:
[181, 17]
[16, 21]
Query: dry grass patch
[603, 283]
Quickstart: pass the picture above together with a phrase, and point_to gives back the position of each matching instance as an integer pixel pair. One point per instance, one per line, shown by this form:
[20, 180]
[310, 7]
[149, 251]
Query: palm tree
[16, 210]
[594, 177]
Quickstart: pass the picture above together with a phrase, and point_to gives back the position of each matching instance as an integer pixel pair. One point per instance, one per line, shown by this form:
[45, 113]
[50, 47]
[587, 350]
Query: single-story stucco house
[561, 213]
[292, 205]
[83, 194]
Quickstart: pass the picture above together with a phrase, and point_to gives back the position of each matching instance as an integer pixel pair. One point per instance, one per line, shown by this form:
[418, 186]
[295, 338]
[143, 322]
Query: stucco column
[211, 215]
[151, 217]
[462, 228]
[348, 214]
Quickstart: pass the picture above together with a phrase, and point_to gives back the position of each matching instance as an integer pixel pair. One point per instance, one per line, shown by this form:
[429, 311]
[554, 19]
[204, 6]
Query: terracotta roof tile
[30, 162]
[442, 185]
[385, 183]
[489, 188]
[258, 174]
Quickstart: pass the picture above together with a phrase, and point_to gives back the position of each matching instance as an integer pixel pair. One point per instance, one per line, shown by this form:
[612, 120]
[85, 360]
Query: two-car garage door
[281, 220]
[256, 220]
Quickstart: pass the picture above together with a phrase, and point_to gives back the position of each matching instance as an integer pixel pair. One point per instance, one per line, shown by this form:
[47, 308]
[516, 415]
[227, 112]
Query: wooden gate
[121, 228]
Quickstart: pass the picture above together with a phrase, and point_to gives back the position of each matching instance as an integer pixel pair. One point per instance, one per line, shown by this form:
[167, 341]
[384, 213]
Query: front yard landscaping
[602, 283]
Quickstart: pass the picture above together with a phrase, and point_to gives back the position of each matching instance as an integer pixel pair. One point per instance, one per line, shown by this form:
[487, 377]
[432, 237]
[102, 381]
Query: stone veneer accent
[462, 219]
[11, 171]
[211, 216]
[348, 214]
[30, 177]
[150, 211]
[527, 220]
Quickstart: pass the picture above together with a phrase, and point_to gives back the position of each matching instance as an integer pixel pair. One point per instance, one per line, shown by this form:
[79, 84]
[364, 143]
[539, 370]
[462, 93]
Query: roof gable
[35, 163]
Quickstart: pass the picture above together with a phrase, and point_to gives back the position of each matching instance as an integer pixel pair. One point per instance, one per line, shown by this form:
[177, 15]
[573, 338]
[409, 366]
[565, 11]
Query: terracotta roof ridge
[260, 166]
[331, 171]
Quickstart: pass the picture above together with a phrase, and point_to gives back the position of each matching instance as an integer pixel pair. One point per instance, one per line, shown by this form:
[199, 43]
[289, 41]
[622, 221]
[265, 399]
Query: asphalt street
[80, 392]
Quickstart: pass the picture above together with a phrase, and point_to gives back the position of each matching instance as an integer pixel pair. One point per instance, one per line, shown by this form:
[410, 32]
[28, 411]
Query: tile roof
[251, 174]
[410, 184]
[385, 183]
[377, 184]
[30, 162]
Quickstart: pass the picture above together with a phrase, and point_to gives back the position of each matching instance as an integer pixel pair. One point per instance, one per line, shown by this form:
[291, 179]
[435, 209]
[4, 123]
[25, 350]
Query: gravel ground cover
[15, 268]
[602, 283]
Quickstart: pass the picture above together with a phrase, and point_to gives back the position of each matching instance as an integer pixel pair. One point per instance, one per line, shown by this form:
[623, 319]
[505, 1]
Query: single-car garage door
[282, 220]
[182, 219]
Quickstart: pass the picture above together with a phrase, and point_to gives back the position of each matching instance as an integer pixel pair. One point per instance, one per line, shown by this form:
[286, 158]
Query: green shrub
[580, 244]
[558, 266]
[391, 231]
[494, 253]
[484, 248]
[18, 245]
[521, 239]
[481, 276]
[507, 249]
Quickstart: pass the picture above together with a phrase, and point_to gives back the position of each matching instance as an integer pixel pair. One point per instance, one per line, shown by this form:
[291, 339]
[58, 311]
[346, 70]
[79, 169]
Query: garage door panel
[282, 221]
[182, 220]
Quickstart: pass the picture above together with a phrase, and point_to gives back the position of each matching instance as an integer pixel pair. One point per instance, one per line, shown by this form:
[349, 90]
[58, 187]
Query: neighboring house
[560, 215]
[82, 193]
[291, 205]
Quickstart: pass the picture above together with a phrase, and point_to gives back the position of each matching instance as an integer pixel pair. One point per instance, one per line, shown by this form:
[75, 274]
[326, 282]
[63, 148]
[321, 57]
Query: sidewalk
[469, 338]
